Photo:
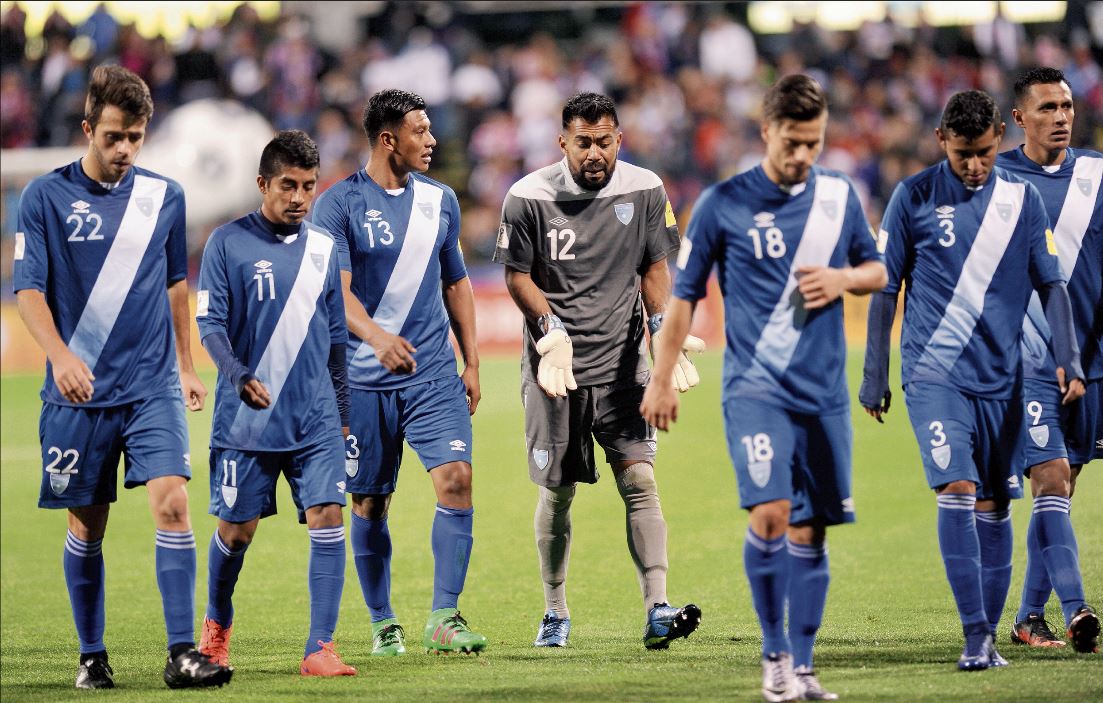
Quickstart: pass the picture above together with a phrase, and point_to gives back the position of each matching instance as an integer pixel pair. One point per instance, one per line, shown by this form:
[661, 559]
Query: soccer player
[971, 240]
[271, 315]
[789, 238]
[100, 267]
[584, 241]
[1060, 438]
[397, 237]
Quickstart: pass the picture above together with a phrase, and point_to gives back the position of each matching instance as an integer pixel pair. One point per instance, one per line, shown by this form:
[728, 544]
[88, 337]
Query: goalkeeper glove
[555, 374]
[685, 373]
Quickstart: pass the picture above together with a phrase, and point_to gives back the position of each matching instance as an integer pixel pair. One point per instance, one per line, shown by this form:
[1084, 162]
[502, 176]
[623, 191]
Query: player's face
[591, 149]
[1046, 115]
[971, 160]
[287, 197]
[792, 147]
[114, 143]
[412, 143]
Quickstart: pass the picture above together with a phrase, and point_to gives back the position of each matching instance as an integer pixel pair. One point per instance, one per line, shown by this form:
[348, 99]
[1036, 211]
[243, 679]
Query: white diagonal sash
[120, 267]
[287, 337]
[1076, 212]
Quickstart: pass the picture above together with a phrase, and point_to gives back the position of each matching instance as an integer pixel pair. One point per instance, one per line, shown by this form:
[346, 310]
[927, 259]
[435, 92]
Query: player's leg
[84, 579]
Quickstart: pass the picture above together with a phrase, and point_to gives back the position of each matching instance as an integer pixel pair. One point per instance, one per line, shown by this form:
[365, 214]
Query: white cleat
[779, 683]
[809, 687]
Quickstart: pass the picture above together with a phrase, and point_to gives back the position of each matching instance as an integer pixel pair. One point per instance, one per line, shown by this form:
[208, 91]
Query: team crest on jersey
[624, 212]
[830, 208]
[1040, 435]
[319, 261]
[558, 221]
[80, 207]
[1004, 211]
[145, 205]
[760, 472]
[542, 458]
[229, 495]
[941, 456]
[352, 467]
[59, 482]
[1084, 185]
[426, 209]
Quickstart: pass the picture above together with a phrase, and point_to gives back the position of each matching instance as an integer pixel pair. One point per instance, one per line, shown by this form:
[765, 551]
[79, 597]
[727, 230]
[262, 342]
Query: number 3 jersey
[400, 247]
[103, 259]
[278, 299]
[586, 250]
[970, 259]
[759, 235]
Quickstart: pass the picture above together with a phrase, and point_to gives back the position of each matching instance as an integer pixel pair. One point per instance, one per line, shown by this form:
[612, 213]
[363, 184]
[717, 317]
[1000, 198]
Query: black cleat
[1084, 630]
[1035, 632]
[666, 623]
[192, 668]
[95, 672]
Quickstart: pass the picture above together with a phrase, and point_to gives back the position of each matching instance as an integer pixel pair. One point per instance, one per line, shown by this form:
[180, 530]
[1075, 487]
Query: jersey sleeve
[335, 305]
[894, 239]
[516, 245]
[329, 213]
[212, 305]
[699, 250]
[176, 246]
[452, 268]
[1045, 266]
[662, 227]
[32, 257]
[862, 243]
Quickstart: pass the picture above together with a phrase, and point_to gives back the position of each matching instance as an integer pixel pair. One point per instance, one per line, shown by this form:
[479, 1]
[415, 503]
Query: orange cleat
[326, 662]
[215, 642]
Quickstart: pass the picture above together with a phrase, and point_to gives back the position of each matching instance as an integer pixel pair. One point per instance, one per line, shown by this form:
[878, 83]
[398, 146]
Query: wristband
[654, 323]
[549, 322]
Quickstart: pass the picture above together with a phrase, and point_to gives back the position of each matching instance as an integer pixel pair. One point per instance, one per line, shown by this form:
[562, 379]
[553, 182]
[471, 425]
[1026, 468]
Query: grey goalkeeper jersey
[586, 250]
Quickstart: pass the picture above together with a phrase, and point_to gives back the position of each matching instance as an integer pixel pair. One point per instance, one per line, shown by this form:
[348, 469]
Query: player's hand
[345, 431]
[73, 377]
[1071, 391]
[394, 352]
[195, 393]
[685, 373]
[660, 403]
[881, 408]
[470, 378]
[821, 285]
[555, 374]
[255, 394]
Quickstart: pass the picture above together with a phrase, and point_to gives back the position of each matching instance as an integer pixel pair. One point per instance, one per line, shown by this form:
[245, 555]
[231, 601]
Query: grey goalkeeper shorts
[560, 432]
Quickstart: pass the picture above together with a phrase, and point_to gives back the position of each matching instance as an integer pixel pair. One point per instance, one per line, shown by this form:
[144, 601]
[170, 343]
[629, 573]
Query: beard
[579, 178]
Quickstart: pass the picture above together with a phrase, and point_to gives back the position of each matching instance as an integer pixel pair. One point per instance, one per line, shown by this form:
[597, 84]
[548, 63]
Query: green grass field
[891, 631]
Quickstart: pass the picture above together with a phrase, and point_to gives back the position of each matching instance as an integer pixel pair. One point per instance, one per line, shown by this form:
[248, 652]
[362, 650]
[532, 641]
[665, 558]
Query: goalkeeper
[583, 240]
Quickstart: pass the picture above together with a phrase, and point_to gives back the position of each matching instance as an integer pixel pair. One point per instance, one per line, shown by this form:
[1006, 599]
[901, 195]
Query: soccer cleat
[215, 642]
[1084, 630]
[779, 683]
[325, 662]
[809, 687]
[95, 672]
[553, 631]
[978, 660]
[1035, 632]
[447, 631]
[388, 638]
[666, 623]
[192, 668]
[995, 659]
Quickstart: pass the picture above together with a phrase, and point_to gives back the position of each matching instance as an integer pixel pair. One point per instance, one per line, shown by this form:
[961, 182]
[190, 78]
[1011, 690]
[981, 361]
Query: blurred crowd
[688, 79]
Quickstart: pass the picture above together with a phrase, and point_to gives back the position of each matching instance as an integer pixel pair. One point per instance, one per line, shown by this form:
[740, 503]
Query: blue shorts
[1084, 425]
[965, 438]
[433, 417]
[243, 484]
[1043, 423]
[81, 448]
[783, 455]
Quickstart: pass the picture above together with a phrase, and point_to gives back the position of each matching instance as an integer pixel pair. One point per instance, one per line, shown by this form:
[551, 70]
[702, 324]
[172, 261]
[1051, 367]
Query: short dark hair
[970, 114]
[797, 97]
[1036, 76]
[590, 108]
[290, 148]
[386, 110]
[115, 85]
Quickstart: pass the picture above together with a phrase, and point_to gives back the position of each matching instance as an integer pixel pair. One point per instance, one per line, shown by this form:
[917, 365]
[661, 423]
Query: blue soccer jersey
[758, 235]
[400, 247]
[1074, 202]
[103, 259]
[278, 299]
[970, 260]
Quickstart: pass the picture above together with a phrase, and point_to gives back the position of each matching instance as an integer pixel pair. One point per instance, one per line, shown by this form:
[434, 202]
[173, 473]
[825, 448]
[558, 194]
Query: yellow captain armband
[671, 221]
[1051, 243]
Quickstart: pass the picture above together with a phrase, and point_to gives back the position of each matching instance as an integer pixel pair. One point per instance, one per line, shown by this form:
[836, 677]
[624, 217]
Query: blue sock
[176, 579]
[223, 566]
[327, 578]
[84, 577]
[451, 554]
[808, 580]
[957, 540]
[767, 567]
[371, 550]
[994, 535]
[1057, 544]
[1036, 584]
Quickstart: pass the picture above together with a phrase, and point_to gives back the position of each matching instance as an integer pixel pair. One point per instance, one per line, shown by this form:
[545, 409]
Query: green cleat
[447, 631]
[388, 638]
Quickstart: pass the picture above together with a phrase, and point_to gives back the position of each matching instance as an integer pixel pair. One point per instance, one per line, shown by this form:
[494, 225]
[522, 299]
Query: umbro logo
[944, 210]
[1099, 444]
[80, 207]
[458, 445]
[558, 222]
[764, 219]
[848, 505]
[263, 265]
[1013, 482]
[341, 487]
[373, 214]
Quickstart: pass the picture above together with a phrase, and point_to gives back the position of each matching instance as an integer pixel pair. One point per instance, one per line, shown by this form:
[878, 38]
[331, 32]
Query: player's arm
[555, 374]
[655, 285]
[71, 375]
[459, 301]
[195, 393]
[338, 346]
[393, 351]
[822, 285]
[660, 402]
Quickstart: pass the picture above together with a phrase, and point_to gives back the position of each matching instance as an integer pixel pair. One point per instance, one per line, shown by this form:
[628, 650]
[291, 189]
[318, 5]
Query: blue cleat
[666, 623]
[553, 631]
[994, 658]
[976, 659]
